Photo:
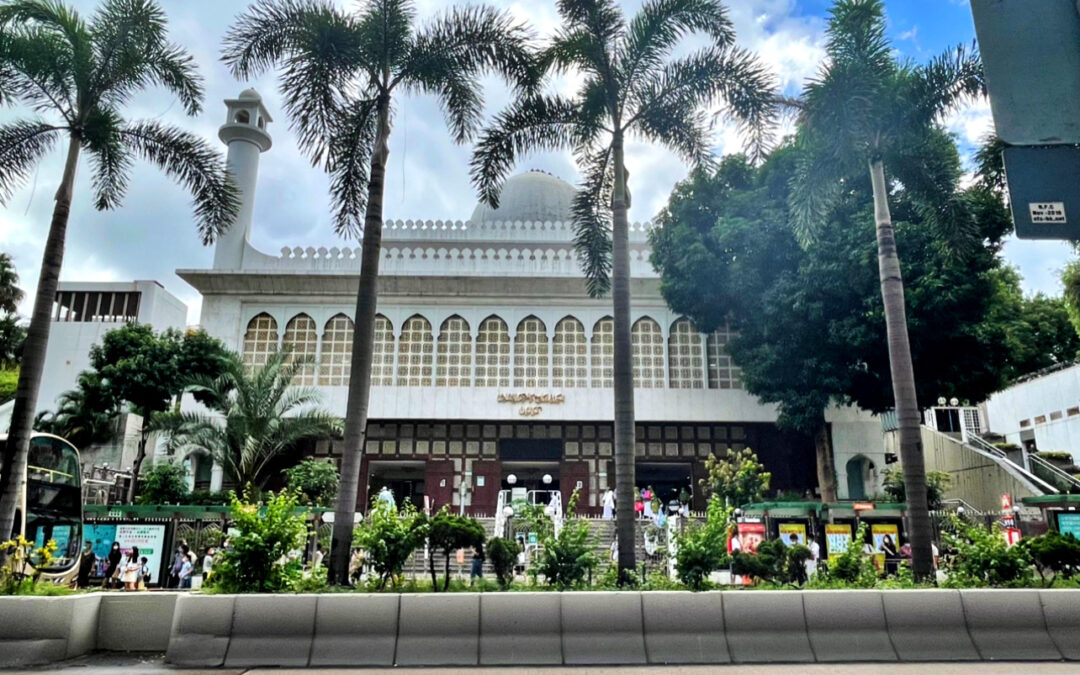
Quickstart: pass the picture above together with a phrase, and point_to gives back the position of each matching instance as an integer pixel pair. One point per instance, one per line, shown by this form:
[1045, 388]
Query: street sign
[863, 506]
[1031, 59]
[1006, 502]
[1044, 190]
[1012, 535]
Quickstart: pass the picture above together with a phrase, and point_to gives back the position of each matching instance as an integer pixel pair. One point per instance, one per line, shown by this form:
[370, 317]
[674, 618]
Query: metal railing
[1054, 475]
[979, 444]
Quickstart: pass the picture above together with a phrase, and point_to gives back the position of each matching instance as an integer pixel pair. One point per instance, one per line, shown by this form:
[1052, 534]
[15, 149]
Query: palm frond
[529, 124]
[112, 163]
[457, 90]
[52, 15]
[195, 164]
[385, 32]
[266, 32]
[22, 145]
[37, 68]
[349, 157]
[947, 82]
[659, 25]
[591, 210]
[816, 186]
[856, 34]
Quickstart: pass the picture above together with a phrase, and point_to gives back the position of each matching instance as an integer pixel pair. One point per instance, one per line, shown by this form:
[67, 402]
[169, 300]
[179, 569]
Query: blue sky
[152, 234]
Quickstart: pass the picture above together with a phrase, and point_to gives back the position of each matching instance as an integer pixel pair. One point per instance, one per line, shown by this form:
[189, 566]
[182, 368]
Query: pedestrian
[317, 556]
[208, 562]
[131, 568]
[112, 570]
[608, 502]
[144, 573]
[477, 571]
[187, 568]
[386, 497]
[891, 554]
[615, 551]
[178, 562]
[815, 553]
[86, 565]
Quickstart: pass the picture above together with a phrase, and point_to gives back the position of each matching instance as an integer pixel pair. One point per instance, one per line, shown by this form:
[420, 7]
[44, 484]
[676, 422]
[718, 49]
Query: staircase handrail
[1055, 471]
[979, 445]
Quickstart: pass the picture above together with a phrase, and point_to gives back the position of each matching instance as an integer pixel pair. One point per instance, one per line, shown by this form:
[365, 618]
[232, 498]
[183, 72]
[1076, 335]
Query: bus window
[54, 499]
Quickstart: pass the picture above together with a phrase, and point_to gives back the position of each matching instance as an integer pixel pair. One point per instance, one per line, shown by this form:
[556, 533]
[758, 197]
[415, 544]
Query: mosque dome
[535, 196]
[250, 95]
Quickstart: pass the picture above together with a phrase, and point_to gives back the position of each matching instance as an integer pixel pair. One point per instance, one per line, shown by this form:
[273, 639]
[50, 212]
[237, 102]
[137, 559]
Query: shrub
[937, 483]
[316, 481]
[852, 568]
[567, 557]
[165, 483]
[448, 533]
[738, 477]
[503, 556]
[22, 567]
[207, 498]
[979, 556]
[9, 380]
[1055, 456]
[702, 547]
[257, 560]
[389, 537]
[1054, 553]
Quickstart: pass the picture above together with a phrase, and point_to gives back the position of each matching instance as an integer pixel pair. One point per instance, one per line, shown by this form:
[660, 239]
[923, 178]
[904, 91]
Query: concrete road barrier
[520, 628]
[41, 630]
[271, 630]
[355, 630]
[928, 625]
[602, 628]
[200, 631]
[683, 627]
[135, 622]
[766, 627]
[1061, 609]
[848, 626]
[1008, 625]
[439, 630]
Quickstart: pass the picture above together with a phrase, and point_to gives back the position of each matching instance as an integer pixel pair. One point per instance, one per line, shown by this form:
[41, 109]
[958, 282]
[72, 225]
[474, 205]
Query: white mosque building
[491, 359]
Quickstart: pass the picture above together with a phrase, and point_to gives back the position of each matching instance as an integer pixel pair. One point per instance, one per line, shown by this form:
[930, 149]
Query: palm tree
[255, 414]
[866, 109]
[10, 293]
[84, 415]
[76, 76]
[339, 75]
[631, 88]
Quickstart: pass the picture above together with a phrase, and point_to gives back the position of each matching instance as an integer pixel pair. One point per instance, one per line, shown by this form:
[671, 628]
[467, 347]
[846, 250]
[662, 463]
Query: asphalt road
[119, 664]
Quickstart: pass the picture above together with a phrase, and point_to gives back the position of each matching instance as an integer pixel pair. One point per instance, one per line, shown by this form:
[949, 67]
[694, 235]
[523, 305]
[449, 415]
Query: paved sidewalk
[122, 664]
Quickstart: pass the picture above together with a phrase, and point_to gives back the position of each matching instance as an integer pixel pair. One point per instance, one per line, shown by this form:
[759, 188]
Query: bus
[51, 505]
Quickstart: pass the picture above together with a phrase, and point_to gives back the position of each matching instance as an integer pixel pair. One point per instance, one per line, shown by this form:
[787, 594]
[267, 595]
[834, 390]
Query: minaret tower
[244, 132]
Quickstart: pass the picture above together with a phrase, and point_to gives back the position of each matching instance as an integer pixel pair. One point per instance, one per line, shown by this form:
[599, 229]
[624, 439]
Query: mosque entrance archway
[403, 478]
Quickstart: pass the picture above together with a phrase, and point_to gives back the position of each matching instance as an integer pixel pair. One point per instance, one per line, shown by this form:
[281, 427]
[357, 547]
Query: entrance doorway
[404, 479]
[858, 472]
[667, 479]
[529, 476]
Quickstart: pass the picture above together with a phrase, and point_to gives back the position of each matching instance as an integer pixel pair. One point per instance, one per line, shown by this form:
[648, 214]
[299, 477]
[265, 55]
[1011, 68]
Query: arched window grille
[454, 360]
[335, 364]
[531, 354]
[493, 353]
[647, 345]
[301, 340]
[723, 374]
[684, 356]
[260, 340]
[569, 355]
[415, 349]
[603, 353]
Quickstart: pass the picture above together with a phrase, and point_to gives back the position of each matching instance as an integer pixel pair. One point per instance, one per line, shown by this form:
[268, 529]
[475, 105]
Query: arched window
[569, 354]
[260, 340]
[493, 353]
[648, 349]
[382, 361]
[243, 117]
[531, 354]
[454, 361]
[336, 361]
[415, 353]
[603, 353]
[722, 371]
[684, 356]
[300, 341]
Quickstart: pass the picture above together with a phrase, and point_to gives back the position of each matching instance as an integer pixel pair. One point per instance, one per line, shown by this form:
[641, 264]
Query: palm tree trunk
[356, 409]
[903, 379]
[826, 464]
[624, 370]
[13, 478]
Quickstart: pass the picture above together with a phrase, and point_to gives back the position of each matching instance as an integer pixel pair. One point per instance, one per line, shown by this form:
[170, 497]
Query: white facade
[85, 311]
[1043, 412]
[473, 313]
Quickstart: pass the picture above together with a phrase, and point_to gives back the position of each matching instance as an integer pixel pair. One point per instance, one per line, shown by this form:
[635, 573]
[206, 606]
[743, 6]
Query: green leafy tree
[10, 293]
[342, 73]
[867, 108]
[147, 372]
[937, 484]
[254, 416]
[737, 478]
[702, 547]
[1070, 279]
[77, 76]
[1038, 331]
[448, 533]
[12, 335]
[774, 563]
[266, 532]
[9, 379]
[977, 556]
[12, 338]
[165, 483]
[316, 481]
[388, 537]
[503, 555]
[567, 557]
[1055, 554]
[85, 415]
[631, 86]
